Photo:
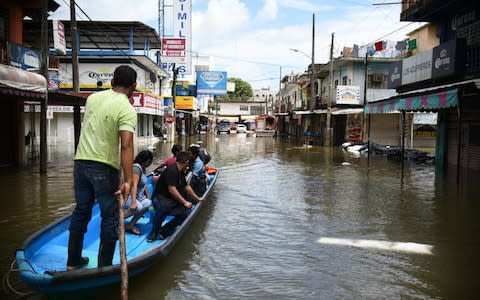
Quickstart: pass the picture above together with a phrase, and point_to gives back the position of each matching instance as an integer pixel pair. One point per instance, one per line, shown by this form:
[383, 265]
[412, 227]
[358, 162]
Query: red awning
[19, 82]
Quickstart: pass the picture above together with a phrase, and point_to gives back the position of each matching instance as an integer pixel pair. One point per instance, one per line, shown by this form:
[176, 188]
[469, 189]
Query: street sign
[169, 119]
[173, 50]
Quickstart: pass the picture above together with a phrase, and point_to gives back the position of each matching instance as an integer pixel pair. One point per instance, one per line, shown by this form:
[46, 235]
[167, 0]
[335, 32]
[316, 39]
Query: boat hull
[41, 258]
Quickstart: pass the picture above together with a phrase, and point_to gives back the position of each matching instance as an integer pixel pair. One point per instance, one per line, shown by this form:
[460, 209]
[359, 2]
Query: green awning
[434, 101]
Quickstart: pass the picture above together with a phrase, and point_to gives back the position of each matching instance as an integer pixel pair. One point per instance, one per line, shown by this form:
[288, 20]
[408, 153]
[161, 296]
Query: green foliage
[243, 91]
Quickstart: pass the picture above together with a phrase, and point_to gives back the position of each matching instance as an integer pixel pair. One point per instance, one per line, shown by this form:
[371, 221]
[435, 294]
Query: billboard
[211, 83]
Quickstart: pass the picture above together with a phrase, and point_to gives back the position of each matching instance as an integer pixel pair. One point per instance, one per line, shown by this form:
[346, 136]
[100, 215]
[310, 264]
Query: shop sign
[22, 57]
[348, 94]
[417, 68]
[184, 102]
[395, 75]
[445, 59]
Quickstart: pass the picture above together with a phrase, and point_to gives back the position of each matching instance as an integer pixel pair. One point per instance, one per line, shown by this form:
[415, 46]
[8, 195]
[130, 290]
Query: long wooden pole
[123, 250]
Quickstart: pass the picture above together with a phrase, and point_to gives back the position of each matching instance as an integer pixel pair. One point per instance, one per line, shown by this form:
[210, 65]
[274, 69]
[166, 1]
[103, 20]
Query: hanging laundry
[370, 50]
[355, 50]
[412, 44]
[401, 45]
[379, 46]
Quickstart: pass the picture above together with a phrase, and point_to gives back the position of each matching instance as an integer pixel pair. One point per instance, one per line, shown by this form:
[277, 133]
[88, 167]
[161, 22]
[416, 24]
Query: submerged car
[223, 127]
[241, 128]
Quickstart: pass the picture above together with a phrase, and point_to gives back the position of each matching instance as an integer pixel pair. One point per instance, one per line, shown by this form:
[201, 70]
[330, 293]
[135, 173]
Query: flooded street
[287, 221]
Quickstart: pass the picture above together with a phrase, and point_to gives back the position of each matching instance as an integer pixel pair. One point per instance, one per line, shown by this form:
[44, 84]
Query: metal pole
[366, 126]
[44, 103]
[328, 134]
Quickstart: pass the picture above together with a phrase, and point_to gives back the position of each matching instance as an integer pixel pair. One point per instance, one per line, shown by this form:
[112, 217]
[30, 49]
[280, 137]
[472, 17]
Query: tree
[243, 91]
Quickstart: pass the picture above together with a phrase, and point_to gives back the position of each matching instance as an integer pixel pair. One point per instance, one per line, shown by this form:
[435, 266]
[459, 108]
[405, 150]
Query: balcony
[427, 10]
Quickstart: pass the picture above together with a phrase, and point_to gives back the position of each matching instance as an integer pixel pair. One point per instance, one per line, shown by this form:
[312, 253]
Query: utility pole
[75, 79]
[312, 86]
[328, 131]
[280, 92]
[44, 103]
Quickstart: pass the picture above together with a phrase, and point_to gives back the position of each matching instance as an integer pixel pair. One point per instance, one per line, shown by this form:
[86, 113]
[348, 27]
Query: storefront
[16, 87]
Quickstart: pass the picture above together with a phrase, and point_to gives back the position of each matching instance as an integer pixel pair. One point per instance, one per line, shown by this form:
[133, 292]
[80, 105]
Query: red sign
[173, 50]
[169, 119]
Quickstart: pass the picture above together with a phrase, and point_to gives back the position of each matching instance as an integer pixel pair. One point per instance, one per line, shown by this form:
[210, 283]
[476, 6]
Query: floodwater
[287, 222]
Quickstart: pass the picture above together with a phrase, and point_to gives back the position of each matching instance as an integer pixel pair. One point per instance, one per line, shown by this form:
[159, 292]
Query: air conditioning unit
[377, 78]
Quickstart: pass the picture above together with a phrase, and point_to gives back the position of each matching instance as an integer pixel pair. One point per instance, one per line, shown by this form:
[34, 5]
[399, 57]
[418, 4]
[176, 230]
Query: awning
[22, 83]
[347, 111]
[431, 101]
[303, 112]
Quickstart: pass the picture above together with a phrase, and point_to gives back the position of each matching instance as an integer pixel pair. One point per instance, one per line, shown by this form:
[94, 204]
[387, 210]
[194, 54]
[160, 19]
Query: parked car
[223, 127]
[241, 128]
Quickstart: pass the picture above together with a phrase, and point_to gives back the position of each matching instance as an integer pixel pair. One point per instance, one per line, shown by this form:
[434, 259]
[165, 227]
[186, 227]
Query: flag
[412, 44]
[401, 45]
[379, 46]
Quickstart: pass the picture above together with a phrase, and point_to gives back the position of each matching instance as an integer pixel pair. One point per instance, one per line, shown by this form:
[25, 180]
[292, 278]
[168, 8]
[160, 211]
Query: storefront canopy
[428, 99]
[426, 102]
[22, 83]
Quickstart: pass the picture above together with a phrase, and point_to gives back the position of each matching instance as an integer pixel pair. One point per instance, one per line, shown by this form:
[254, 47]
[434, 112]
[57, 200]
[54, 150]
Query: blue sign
[212, 83]
[23, 57]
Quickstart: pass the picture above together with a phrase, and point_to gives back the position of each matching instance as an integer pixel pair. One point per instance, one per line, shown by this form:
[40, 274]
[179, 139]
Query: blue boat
[41, 259]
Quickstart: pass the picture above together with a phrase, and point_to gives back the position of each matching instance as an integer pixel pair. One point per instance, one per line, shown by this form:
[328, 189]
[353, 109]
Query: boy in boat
[109, 120]
[168, 199]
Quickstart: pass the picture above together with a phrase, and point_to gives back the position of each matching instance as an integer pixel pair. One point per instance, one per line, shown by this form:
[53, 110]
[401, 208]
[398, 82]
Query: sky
[251, 39]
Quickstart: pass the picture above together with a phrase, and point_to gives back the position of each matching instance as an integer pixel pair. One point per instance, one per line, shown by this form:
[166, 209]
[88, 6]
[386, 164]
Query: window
[256, 110]
[344, 80]
[244, 107]
[336, 83]
[377, 81]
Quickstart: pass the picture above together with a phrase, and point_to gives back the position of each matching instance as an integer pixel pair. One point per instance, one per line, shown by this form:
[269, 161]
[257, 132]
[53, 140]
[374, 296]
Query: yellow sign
[184, 102]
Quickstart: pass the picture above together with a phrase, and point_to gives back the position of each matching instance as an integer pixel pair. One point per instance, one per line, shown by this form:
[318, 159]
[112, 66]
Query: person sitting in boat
[198, 181]
[139, 201]
[171, 160]
[168, 200]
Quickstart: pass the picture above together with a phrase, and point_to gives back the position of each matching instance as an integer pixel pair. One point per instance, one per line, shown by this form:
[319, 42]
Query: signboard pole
[171, 126]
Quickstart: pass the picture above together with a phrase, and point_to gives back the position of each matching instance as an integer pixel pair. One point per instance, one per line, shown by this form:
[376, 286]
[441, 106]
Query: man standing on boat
[168, 199]
[109, 120]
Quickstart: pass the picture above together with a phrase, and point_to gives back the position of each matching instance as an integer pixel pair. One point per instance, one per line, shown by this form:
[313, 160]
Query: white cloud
[268, 12]
[139, 10]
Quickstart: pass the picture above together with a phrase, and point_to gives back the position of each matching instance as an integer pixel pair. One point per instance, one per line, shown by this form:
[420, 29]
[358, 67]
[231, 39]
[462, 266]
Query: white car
[241, 128]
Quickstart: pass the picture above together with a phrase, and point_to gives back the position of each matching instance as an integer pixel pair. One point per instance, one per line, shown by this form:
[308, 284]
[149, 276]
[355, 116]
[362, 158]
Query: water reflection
[257, 237]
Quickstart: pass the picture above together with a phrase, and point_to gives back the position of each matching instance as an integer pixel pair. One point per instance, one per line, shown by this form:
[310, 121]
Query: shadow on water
[258, 237]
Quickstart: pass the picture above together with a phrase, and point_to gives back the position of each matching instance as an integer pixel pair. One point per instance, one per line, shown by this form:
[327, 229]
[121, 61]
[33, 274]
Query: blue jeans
[95, 181]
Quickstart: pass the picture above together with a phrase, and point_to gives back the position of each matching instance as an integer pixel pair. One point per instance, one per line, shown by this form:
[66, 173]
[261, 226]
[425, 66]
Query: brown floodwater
[286, 221]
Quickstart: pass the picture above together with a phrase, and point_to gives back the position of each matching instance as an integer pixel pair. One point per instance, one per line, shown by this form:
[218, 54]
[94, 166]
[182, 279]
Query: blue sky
[251, 39]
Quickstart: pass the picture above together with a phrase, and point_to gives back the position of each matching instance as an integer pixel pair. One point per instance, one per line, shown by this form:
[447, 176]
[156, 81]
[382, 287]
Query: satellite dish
[153, 78]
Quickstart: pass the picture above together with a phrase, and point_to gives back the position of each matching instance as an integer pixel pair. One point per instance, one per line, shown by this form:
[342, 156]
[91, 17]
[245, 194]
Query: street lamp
[312, 89]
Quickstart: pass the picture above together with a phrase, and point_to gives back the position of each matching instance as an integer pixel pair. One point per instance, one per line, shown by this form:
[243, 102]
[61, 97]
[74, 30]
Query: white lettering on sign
[417, 68]
[182, 28]
[443, 59]
[461, 20]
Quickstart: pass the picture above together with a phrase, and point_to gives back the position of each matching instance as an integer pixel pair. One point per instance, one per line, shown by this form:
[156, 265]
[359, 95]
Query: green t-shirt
[106, 114]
